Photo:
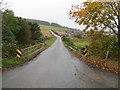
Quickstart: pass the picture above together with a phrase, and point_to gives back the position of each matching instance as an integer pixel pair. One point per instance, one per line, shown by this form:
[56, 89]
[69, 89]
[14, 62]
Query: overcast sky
[47, 10]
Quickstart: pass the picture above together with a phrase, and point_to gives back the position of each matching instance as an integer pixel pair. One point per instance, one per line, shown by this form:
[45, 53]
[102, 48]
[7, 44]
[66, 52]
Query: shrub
[9, 50]
[79, 35]
[100, 45]
[67, 41]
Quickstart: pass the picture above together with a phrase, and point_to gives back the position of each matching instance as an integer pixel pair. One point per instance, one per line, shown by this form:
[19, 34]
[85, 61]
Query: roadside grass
[50, 42]
[105, 64]
[76, 44]
[46, 27]
[8, 63]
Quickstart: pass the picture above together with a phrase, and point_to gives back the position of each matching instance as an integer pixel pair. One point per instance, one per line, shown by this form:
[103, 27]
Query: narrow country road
[56, 67]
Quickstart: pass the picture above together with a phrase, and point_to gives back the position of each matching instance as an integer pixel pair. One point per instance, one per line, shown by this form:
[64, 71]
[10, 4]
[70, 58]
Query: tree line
[18, 33]
[40, 22]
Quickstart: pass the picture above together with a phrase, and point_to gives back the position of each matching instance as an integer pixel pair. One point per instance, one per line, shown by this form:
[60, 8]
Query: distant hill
[41, 22]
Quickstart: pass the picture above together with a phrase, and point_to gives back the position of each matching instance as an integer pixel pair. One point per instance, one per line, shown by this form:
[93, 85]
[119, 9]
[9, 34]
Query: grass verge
[105, 64]
[11, 63]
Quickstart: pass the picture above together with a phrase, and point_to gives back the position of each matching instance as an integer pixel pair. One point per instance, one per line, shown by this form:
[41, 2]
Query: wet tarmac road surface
[56, 67]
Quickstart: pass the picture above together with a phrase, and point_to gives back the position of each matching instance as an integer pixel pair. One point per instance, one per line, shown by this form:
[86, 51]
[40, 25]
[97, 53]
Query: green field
[76, 44]
[46, 27]
[80, 42]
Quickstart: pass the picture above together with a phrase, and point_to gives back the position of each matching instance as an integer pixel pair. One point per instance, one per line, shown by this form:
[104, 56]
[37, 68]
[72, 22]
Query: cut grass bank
[9, 63]
[75, 45]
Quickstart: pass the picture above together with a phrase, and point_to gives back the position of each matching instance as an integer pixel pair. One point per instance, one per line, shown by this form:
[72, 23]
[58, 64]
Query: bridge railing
[29, 50]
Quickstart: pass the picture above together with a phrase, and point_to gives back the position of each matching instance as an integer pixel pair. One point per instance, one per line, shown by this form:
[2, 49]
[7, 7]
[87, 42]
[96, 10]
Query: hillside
[46, 24]
[47, 27]
[39, 21]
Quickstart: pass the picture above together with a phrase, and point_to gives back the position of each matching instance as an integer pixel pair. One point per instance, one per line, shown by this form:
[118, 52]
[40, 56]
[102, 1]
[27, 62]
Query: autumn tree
[97, 16]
